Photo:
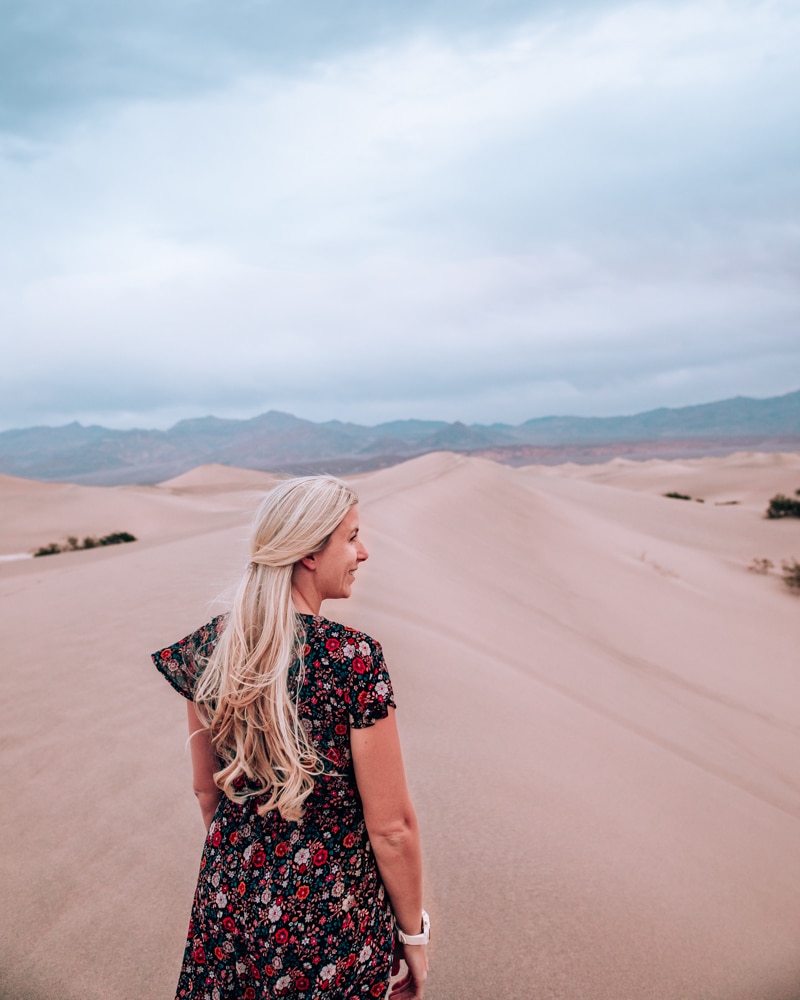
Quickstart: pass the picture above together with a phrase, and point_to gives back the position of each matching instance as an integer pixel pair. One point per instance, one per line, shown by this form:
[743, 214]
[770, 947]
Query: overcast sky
[484, 210]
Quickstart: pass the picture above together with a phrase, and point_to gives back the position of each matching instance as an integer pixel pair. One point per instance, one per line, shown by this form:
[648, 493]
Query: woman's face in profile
[337, 563]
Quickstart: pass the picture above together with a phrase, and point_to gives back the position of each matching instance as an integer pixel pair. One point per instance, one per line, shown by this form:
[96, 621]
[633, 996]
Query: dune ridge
[600, 709]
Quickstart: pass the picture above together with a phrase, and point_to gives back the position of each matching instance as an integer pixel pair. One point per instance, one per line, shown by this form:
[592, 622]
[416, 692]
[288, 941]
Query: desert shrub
[48, 550]
[791, 574]
[677, 496]
[117, 538]
[761, 566]
[72, 543]
[782, 506]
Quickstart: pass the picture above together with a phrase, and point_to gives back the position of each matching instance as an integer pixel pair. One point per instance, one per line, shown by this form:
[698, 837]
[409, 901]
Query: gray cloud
[422, 210]
[57, 58]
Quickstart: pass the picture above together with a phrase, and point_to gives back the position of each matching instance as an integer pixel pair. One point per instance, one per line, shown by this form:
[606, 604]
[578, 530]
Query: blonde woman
[310, 881]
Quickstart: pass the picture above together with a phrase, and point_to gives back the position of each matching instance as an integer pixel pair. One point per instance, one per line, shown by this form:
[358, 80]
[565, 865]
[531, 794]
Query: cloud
[574, 209]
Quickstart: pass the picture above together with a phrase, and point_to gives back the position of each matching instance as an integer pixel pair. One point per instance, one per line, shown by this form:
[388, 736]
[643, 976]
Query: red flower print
[363, 697]
[220, 954]
[301, 984]
[306, 649]
[166, 654]
[358, 665]
[228, 924]
[350, 960]
[259, 858]
[238, 781]
[320, 857]
[233, 837]
[303, 891]
[216, 840]
[249, 993]
[282, 849]
[349, 840]
[241, 888]
[281, 935]
[378, 989]
[340, 729]
[331, 644]
[199, 955]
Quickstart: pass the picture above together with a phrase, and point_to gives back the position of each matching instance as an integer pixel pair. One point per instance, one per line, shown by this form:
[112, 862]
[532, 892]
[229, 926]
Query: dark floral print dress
[285, 909]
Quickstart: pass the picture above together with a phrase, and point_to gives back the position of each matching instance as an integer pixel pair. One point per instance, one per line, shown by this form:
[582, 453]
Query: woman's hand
[412, 985]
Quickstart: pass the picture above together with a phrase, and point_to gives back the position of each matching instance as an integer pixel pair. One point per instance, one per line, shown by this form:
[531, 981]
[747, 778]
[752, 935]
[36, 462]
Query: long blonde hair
[243, 695]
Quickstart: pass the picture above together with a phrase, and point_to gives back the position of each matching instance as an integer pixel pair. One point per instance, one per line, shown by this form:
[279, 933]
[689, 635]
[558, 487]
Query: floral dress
[287, 909]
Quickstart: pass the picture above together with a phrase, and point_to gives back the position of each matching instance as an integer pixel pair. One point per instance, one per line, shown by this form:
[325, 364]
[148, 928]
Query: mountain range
[280, 442]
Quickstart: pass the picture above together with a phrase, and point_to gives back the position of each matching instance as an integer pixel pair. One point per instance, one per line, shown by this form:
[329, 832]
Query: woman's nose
[362, 552]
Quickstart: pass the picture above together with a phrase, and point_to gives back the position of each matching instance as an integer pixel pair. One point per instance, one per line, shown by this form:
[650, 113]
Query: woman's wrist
[421, 937]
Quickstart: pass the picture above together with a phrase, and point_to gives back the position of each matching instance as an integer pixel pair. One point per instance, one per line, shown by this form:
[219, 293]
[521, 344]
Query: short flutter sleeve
[184, 661]
[371, 694]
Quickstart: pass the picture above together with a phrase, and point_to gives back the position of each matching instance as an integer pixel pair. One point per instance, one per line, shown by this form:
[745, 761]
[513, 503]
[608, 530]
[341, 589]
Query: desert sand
[599, 704]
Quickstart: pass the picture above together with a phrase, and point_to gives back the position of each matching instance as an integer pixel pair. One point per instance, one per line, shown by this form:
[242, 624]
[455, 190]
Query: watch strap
[422, 938]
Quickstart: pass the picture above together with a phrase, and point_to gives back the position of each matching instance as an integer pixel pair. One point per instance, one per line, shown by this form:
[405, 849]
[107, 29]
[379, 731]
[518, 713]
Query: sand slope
[600, 708]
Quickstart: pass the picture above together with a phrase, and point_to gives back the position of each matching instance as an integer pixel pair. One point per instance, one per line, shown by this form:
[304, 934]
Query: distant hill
[280, 442]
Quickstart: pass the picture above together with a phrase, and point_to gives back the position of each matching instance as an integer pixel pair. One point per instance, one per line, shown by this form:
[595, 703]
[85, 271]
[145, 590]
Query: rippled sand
[600, 707]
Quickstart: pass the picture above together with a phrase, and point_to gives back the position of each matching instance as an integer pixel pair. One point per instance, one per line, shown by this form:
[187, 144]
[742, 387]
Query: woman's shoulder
[334, 634]
[356, 661]
[183, 661]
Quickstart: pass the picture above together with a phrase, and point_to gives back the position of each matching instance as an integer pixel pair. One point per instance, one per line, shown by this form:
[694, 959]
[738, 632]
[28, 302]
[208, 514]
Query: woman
[310, 880]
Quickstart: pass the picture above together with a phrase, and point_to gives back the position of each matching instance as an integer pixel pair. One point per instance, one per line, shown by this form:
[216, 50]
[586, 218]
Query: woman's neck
[307, 604]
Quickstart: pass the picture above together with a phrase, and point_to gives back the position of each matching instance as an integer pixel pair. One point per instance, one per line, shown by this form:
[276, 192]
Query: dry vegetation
[783, 506]
[73, 544]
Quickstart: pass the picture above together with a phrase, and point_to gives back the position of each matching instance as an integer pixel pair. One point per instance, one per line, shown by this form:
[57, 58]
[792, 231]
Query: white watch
[422, 938]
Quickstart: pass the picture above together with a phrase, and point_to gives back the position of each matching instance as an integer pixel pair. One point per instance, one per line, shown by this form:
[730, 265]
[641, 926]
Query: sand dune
[35, 513]
[214, 478]
[747, 478]
[600, 707]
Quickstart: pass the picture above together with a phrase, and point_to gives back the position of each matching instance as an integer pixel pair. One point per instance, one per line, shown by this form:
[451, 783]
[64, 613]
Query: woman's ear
[309, 562]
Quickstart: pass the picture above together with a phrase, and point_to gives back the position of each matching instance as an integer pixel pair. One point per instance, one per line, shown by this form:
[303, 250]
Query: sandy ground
[600, 708]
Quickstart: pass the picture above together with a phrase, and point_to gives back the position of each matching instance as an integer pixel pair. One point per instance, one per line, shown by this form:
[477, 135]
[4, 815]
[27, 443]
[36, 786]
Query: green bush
[782, 506]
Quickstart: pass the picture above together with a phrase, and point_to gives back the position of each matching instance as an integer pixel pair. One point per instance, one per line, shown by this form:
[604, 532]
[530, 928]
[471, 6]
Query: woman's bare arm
[394, 834]
[204, 764]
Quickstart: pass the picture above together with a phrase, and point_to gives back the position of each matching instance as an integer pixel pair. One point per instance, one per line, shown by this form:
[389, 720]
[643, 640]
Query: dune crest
[212, 477]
